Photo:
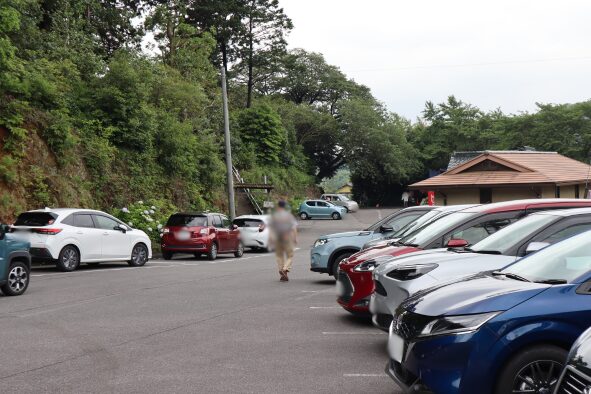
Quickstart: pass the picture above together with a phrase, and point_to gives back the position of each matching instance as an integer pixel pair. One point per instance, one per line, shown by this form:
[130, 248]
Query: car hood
[362, 233]
[480, 293]
[379, 251]
[471, 262]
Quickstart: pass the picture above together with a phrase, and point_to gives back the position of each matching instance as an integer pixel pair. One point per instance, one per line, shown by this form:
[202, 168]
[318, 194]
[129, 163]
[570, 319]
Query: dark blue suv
[15, 263]
[497, 332]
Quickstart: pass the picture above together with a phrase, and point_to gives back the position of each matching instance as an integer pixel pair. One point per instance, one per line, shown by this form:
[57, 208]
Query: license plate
[396, 347]
[183, 235]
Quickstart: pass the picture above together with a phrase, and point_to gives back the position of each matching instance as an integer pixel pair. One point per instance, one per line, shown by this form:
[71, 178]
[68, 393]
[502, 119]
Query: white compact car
[68, 237]
[254, 231]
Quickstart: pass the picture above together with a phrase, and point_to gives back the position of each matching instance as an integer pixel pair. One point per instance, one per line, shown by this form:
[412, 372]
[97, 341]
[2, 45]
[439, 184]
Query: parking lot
[190, 325]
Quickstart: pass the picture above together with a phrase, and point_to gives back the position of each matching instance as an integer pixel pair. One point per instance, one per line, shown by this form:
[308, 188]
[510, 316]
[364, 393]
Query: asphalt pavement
[191, 326]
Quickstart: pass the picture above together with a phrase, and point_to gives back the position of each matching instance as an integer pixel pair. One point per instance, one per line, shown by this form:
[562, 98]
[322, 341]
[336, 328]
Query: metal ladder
[251, 198]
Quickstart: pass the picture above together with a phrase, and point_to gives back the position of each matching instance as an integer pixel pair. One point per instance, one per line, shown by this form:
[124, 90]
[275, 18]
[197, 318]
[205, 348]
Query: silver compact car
[401, 277]
[342, 201]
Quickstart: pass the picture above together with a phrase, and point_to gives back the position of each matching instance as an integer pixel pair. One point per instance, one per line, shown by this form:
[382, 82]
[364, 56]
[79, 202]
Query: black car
[576, 376]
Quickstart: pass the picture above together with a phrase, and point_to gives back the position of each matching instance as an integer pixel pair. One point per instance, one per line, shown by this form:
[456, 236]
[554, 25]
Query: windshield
[417, 224]
[506, 238]
[426, 233]
[187, 220]
[566, 260]
[343, 198]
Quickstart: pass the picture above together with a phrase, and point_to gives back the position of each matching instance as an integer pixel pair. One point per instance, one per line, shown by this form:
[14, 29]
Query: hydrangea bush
[148, 216]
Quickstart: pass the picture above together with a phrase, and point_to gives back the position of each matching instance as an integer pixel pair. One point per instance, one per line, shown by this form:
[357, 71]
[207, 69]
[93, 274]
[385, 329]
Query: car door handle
[105, 233]
[79, 232]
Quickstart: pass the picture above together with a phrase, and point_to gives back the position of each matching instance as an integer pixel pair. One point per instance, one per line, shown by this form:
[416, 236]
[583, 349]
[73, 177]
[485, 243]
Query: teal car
[15, 263]
[316, 209]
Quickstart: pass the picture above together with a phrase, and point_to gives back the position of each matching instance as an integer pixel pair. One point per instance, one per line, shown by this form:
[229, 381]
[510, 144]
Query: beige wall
[508, 194]
[472, 196]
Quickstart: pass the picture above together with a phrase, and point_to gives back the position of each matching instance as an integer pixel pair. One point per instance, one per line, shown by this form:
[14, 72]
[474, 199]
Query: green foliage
[149, 216]
[8, 171]
[261, 128]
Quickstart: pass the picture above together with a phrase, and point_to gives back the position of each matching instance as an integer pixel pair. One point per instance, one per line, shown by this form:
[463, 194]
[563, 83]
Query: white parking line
[325, 307]
[353, 333]
[365, 375]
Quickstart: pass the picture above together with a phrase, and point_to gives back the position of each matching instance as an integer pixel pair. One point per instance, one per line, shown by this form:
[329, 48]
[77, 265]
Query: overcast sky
[506, 54]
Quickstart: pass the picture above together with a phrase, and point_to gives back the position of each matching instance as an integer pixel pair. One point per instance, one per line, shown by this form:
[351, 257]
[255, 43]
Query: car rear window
[187, 220]
[35, 219]
[248, 222]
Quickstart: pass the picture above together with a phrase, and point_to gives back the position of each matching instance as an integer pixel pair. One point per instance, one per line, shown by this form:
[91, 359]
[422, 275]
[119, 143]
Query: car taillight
[261, 228]
[47, 231]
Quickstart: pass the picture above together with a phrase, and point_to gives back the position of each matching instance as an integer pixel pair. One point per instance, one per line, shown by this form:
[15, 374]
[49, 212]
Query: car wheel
[336, 216]
[17, 280]
[139, 255]
[213, 252]
[335, 265]
[304, 216]
[166, 255]
[347, 209]
[69, 259]
[535, 370]
[240, 250]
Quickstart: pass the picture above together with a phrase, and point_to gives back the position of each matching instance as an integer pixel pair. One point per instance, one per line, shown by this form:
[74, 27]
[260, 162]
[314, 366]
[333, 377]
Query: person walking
[405, 197]
[284, 229]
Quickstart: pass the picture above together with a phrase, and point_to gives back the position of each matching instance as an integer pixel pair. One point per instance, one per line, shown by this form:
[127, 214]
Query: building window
[577, 193]
[557, 193]
[486, 195]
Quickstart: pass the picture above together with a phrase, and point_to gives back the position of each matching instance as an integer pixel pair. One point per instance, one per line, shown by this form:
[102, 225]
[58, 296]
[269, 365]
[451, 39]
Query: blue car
[330, 249]
[311, 209]
[499, 332]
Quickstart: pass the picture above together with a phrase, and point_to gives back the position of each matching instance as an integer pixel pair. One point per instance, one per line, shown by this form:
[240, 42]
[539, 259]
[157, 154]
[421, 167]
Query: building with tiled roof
[492, 176]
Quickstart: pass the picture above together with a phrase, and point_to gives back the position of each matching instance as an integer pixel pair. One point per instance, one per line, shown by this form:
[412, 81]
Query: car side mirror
[457, 243]
[121, 228]
[386, 229]
[234, 227]
[535, 246]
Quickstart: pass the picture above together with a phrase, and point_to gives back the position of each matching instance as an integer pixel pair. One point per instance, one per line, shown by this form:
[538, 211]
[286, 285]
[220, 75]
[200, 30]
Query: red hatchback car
[458, 229]
[201, 234]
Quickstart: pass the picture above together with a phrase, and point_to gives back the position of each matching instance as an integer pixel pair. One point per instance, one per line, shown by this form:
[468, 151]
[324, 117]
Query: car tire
[68, 259]
[213, 252]
[166, 255]
[336, 216]
[139, 255]
[17, 280]
[240, 250]
[304, 216]
[335, 264]
[549, 358]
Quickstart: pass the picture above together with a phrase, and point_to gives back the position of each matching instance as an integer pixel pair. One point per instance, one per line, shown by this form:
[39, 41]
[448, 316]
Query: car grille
[409, 325]
[347, 294]
[384, 320]
[574, 382]
[380, 289]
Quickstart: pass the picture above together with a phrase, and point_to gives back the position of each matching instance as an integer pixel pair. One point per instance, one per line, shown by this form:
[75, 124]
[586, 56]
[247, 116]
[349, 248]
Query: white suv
[68, 237]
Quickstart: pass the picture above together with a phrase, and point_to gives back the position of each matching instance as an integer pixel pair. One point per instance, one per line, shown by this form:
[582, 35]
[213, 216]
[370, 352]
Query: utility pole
[229, 175]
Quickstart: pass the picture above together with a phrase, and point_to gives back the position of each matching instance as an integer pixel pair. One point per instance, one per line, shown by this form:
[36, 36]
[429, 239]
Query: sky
[494, 54]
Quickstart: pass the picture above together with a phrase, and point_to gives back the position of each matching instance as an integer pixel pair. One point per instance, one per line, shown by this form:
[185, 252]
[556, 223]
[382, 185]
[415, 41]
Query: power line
[508, 62]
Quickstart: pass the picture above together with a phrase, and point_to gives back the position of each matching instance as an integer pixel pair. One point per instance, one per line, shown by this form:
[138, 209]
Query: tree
[264, 42]
[261, 128]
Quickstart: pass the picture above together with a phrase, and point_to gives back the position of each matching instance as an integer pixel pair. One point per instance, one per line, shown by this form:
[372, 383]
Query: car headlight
[410, 272]
[320, 242]
[366, 266]
[204, 231]
[460, 324]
